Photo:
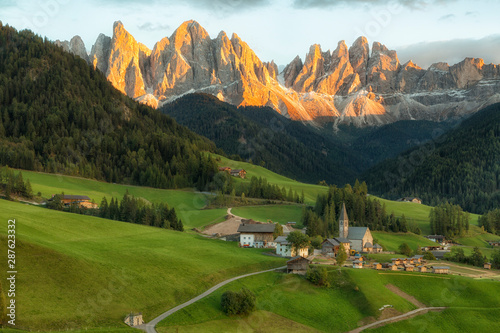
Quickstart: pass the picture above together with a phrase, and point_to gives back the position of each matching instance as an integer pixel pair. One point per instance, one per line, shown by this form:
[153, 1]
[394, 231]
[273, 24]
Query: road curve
[397, 318]
[150, 327]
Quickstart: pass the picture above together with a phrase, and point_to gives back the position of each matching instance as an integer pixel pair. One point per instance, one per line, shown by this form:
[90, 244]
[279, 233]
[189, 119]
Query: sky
[425, 31]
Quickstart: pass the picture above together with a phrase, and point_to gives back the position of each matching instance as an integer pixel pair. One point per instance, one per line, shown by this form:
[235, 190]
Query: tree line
[491, 221]
[59, 115]
[129, 209]
[449, 220]
[12, 184]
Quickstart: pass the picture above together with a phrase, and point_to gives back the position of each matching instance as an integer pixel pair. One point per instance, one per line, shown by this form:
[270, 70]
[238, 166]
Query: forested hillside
[463, 167]
[60, 115]
[263, 136]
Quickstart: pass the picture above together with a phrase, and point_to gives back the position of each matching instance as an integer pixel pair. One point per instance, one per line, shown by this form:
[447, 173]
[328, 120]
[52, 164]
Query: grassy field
[91, 272]
[391, 241]
[310, 191]
[188, 204]
[291, 297]
[275, 213]
[480, 240]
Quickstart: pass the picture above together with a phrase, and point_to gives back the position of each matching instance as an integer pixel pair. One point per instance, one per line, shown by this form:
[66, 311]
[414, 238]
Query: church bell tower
[343, 223]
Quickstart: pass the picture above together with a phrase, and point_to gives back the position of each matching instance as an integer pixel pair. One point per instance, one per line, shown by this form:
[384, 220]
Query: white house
[285, 249]
[256, 234]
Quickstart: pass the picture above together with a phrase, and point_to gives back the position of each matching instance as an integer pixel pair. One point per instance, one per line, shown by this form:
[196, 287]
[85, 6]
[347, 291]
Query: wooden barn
[487, 265]
[298, 265]
[80, 200]
[332, 245]
[440, 269]
[409, 268]
[238, 173]
[421, 269]
[256, 234]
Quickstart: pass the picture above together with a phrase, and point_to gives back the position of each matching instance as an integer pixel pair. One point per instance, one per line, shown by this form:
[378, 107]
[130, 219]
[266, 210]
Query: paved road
[150, 327]
[397, 318]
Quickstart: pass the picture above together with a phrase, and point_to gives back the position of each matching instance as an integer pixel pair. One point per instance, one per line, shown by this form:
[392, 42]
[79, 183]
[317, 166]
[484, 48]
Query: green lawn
[91, 272]
[391, 241]
[188, 204]
[480, 240]
[310, 191]
[275, 213]
[293, 298]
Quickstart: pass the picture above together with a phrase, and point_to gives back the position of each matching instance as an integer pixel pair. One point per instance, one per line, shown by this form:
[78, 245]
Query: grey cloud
[452, 51]
[447, 17]
[413, 4]
[148, 26]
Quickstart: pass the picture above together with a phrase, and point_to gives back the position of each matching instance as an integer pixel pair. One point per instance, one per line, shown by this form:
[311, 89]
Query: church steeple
[343, 222]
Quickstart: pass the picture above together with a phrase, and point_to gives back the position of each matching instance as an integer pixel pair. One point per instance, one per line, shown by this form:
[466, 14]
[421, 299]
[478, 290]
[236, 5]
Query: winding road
[150, 327]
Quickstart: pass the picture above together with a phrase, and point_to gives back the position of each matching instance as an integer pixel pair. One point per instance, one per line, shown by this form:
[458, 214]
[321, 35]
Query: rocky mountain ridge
[348, 85]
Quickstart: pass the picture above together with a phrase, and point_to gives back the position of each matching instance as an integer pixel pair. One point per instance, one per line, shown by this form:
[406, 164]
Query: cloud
[452, 51]
[447, 17]
[149, 26]
[413, 4]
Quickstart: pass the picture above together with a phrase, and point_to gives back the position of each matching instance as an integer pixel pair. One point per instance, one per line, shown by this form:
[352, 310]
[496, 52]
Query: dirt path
[407, 297]
[150, 327]
[228, 227]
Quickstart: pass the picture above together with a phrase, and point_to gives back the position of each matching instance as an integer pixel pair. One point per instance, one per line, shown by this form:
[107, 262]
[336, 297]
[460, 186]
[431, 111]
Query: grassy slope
[310, 191]
[188, 204]
[91, 272]
[294, 298]
[277, 213]
[391, 241]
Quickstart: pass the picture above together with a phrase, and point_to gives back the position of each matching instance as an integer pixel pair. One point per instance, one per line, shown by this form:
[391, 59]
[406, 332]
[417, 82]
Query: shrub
[235, 303]
[318, 275]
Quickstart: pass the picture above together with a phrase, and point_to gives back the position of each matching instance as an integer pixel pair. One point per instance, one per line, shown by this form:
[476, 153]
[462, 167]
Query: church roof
[342, 240]
[368, 245]
[343, 213]
[357, 232]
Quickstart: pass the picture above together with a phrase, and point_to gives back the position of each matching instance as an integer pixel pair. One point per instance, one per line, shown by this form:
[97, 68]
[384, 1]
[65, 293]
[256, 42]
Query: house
[238, 173]
[82, 201]
[392, 267]
[410, 199]
[440, 269]
[487, 265]
[377, 248]
[226, 169]
[298, 265]
[437, 238]
[368, 247]
[409, 268]
[331, 245]
[285, 249]
[134, 319]
[397, 261]
[256, 234]
[377, 265]
[421, 269]
[494, 243]
[357, 264]
[358, 236]
[418, 258]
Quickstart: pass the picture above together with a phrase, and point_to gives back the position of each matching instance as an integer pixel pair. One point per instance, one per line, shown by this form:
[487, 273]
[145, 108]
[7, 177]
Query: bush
[235, 303]
[428, 255]
[405, 249]
[318, 275]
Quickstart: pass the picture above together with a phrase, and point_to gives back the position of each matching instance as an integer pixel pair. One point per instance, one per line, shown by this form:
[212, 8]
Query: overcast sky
[425, 31]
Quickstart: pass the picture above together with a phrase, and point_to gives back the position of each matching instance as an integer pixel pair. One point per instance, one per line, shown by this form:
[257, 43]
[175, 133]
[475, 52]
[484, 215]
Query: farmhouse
[226, 169]
[410, 199]
[297, 265]
[392, 267]
[409, 268]
[332, 245]
[360, 237]
[377, 265]
[254, 234]
[421, 269]
[285, 249]
[80, 200]
[377, 248]
[134, 319]
[238, 173]
[494, 243]
[487, 265]
[440, 269]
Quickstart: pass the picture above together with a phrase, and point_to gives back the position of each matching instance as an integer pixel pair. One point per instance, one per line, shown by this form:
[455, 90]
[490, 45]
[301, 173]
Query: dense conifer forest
[58, 114]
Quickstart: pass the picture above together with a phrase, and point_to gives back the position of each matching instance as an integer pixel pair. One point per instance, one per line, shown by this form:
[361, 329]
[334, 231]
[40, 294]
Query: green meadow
[188, 204]
[275, 213]
[89, 272]
[391, 241]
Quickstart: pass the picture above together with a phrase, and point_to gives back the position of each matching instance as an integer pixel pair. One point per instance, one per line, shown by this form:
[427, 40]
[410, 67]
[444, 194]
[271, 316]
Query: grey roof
[281, 239]
[297, 257]
[343, 213]
[368, 245]
[440, 267]
[357, 232]
[376, 246]
[418, 256]
[342, 240]
[265, 227]
[357, 262]
[332, 241]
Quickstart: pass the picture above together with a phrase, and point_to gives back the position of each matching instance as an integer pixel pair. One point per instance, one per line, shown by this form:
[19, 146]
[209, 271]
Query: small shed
[377, 248]
[422, 269]
[134, 319]
[440, 269]
[377, 265]
[368, 247]
[397, 261]
[487, 265]
[393, 267]
[298, 265]
[409, 268]
[418, 258]
[357, 264]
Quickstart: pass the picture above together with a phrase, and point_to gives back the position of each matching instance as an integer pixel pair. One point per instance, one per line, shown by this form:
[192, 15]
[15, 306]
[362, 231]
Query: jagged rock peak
[410, 64]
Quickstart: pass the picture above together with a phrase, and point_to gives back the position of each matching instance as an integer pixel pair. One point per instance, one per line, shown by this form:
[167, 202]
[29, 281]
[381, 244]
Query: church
[361, 238]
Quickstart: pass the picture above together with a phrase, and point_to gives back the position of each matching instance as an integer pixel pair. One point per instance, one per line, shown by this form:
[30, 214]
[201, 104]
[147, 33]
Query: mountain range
[350, 85]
